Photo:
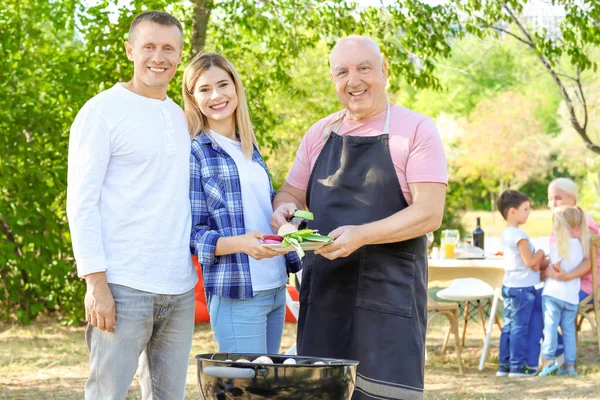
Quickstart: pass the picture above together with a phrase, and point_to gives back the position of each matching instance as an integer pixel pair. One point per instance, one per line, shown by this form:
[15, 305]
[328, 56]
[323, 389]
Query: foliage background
[503, 121]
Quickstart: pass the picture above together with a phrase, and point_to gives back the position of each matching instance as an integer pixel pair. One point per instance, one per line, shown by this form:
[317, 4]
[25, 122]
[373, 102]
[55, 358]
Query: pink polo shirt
[415, 147]
[587, 284]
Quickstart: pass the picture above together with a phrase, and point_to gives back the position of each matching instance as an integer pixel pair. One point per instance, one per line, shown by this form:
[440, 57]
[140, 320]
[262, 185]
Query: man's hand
[281, 215]
[99, 302]
[346, 240]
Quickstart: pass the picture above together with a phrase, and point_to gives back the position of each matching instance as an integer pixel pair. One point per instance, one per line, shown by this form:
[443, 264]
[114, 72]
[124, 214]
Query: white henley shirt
[128, 192]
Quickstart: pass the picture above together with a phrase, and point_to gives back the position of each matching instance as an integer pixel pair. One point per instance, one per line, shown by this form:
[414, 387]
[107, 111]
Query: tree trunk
[202, 9]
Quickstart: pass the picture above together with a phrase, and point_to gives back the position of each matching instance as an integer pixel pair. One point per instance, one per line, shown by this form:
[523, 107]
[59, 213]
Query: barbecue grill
[220, 377]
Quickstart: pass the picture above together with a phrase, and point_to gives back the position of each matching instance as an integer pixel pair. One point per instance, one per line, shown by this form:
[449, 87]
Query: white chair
[468, 289]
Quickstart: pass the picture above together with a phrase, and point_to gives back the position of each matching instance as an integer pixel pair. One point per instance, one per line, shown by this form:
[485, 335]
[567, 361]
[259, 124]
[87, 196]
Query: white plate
[306, 246]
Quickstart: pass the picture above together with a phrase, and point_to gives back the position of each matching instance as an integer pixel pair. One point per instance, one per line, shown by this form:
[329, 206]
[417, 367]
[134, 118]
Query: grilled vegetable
[286, 229]
[305, 235]
[273, 239]
[304, 214]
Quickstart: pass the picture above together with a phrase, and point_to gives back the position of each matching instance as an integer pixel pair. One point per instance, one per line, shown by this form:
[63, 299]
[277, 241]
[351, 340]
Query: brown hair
[197, 122]
[510, 199]
[158, 17]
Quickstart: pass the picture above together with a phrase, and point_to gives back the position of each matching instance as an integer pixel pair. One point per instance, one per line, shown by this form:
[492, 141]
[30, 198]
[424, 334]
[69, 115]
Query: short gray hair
[566, 185]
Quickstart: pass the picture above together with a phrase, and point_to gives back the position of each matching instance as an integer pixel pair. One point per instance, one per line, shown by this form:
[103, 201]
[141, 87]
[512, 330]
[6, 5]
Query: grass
[48, 361]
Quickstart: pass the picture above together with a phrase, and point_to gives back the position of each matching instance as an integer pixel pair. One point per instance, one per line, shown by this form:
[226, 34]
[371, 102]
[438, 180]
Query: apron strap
[337, 124]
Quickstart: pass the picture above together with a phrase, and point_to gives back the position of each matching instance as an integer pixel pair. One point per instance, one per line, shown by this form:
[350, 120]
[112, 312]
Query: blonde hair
[566, 185]
[565, 220]
[197, 122]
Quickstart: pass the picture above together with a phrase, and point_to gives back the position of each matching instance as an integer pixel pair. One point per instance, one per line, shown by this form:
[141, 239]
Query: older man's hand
[281, 215]
[347, 239]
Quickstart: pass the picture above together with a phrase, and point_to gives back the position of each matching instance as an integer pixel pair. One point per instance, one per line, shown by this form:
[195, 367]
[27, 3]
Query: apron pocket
[386, 281]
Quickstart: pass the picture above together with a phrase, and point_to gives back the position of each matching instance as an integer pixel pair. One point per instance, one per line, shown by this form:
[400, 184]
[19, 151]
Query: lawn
[48, 361]
[492, 223]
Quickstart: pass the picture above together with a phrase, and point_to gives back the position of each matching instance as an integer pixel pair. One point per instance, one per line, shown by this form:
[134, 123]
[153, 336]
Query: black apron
[372, 305]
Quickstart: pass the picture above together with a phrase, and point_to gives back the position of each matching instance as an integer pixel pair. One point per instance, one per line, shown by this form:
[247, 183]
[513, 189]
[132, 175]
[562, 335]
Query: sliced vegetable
[296, 245]
[294, 237]
[304, 232]
[305, 214]
[273, 237]
[286, 229]
[318, 238]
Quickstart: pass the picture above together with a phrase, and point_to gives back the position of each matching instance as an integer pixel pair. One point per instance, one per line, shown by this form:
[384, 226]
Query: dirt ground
[48, 361]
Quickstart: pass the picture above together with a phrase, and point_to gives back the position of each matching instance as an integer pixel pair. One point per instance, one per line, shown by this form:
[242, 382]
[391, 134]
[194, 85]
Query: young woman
[231, 195]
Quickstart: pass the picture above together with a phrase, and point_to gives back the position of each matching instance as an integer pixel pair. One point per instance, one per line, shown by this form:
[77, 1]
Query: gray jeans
[152, 328]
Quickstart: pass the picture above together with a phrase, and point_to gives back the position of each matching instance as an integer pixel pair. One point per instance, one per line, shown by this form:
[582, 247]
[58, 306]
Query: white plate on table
[306, 246]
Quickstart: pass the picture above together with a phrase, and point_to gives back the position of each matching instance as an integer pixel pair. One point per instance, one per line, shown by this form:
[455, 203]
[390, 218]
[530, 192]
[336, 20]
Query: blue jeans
[515, 340]
[155, 330]
[536, 327]
[249, 325]
[558, 312]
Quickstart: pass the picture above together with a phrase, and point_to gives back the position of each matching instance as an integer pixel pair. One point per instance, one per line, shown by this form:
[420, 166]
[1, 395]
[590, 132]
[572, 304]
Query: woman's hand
[251, 245]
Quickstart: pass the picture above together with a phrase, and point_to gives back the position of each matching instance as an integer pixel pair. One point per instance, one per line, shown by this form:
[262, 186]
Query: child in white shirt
[522, 264]
[560, 299]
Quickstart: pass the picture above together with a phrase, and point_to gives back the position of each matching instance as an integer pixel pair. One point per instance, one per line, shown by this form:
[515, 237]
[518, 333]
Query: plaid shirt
[216, 198]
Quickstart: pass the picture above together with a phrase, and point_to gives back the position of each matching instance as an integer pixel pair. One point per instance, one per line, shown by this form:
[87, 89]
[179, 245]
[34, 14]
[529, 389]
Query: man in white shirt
[129, 214]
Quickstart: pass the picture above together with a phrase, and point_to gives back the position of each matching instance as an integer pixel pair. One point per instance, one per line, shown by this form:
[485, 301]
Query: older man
[374, 175]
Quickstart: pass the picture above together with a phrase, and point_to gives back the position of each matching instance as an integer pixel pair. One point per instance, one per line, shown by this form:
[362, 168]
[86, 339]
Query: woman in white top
[560, 299]
[231, 197]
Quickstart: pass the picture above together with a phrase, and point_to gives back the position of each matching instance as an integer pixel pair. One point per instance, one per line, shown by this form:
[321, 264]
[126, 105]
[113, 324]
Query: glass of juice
[450, 239]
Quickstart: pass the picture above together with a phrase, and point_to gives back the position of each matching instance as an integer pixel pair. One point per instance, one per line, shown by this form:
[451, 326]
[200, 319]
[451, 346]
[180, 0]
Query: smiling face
[216, 96]
[558, 197]
[155, 51]
[360, 76]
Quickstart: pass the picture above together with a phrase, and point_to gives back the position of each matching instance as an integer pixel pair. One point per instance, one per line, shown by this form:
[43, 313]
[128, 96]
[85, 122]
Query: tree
[39, 100]
[62, 53]
[577, 32]
[503, 145]
[201, 16]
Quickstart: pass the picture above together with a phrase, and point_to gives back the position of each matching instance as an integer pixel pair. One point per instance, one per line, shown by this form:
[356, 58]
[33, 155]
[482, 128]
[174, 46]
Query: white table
[490, 271]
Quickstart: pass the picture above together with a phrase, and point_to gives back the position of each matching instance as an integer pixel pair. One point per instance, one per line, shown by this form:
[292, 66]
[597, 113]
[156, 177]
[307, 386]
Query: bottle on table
[478, 235]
